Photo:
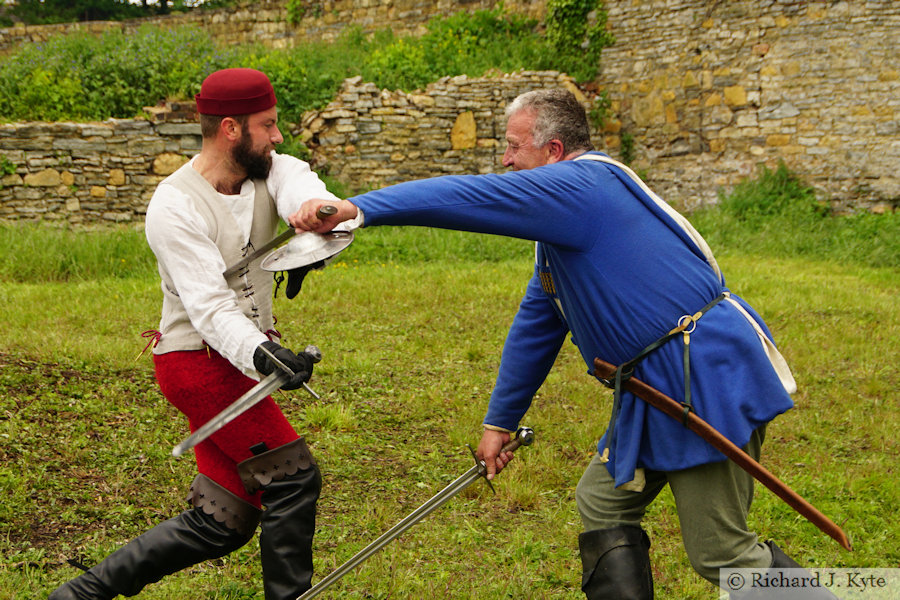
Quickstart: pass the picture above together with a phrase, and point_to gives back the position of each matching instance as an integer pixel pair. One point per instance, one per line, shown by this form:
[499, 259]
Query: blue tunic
[624, 273]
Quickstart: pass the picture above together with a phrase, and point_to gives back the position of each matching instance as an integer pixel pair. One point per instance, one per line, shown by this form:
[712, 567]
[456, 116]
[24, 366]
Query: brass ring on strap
[687, 321]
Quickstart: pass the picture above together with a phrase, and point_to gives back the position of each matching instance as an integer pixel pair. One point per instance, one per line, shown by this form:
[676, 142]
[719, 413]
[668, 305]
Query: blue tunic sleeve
[533, 341]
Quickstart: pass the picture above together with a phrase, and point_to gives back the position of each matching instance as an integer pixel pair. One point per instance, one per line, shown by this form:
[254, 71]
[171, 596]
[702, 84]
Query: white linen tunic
[182, 242]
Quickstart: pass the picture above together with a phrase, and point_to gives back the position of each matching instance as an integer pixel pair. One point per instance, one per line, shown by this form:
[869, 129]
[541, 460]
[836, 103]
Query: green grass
[411, 345]
[411, 323]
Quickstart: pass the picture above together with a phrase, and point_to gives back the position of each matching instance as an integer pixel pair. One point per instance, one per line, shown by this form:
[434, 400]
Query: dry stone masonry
[371, 137]
[702, 93]
[90, 173]
[708, 90]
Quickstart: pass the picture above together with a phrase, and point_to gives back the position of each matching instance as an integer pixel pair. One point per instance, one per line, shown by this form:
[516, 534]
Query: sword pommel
[524, 437]
[314, 352]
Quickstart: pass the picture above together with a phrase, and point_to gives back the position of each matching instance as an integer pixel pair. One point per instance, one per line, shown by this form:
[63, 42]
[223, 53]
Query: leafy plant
[84, 77]
[599, 110]
[626, 148]
[7, 167]
[575, 41]
[777, 193]
[459, 44]
[297, 9]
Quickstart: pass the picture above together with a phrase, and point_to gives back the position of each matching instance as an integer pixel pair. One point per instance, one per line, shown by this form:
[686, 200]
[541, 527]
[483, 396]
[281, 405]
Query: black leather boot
[290, 483]
[780, 560]
[616, 564]
[219, 523]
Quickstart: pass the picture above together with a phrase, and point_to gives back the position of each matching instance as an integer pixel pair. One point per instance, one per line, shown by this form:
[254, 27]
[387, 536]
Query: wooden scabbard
[657, 399]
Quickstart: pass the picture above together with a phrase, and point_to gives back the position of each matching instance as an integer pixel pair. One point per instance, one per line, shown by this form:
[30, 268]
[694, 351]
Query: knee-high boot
[218, 524]
[616, 564]
[290, 483]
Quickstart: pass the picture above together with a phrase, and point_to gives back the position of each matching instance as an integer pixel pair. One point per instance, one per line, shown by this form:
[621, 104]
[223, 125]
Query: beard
[256, 164]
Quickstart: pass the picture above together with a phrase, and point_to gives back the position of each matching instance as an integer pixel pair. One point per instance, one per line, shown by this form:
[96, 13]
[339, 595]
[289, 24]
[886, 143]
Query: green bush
[309, 75]
[777, 193]
[575, 43]
[460, 44]
[85, 77]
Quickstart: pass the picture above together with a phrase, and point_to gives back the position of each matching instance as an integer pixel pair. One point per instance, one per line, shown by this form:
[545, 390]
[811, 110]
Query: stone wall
[90, 173]
[369, 137]
[95, 173]
[708, 90]
[704, 90]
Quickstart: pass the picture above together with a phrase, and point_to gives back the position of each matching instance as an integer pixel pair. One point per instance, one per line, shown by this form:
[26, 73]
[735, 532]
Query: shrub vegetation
[86, 77]
[778, 214]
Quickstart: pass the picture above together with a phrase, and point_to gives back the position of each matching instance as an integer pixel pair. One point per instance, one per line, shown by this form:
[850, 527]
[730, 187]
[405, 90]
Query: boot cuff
[274, 465]
[595, 544]
[226, 508]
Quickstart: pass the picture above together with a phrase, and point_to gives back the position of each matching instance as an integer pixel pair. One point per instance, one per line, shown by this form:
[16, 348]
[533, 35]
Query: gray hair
[559, 116]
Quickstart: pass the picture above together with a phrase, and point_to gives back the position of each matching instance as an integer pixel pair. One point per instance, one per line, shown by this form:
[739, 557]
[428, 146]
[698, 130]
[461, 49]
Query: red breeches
[200, 384]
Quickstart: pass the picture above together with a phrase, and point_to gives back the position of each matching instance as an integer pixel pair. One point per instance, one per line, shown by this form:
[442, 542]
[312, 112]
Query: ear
[555, 151]
[230, 128]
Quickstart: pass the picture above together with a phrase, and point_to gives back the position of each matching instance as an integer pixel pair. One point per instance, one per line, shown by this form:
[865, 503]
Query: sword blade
[388, 536]
[234, 410]
[523, 437]
[276, 241]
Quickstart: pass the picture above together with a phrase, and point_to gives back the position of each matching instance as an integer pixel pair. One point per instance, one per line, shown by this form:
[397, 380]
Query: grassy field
[411, 345]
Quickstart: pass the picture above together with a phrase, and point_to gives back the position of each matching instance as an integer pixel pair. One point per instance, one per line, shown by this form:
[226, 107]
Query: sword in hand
[524, 437]
[261, 390]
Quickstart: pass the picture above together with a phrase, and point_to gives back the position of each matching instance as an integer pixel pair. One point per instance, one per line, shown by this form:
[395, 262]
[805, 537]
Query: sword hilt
[326, 210]
[313, 352]
[524, 437]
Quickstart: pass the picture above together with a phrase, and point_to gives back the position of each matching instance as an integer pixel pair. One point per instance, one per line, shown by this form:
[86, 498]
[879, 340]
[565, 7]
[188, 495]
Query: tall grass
[774, 214]
[777, 214]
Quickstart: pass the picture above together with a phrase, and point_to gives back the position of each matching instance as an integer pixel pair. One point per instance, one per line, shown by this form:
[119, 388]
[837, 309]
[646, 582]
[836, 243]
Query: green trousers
[712, 501]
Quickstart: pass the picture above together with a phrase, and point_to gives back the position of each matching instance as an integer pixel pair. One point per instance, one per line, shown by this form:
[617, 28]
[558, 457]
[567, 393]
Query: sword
[253, 396]
[657, 399]
[324, 211]
[524, 437]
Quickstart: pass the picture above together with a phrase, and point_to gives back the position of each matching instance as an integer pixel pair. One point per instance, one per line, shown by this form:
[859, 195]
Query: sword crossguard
[313, 351]
[482, 468]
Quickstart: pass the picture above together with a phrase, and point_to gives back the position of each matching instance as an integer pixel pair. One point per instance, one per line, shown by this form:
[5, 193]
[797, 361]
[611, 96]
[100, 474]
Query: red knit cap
[231, 92]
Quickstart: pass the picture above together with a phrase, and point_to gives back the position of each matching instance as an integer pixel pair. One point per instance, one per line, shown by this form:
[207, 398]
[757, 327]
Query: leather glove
[296, 276]
[301, 364]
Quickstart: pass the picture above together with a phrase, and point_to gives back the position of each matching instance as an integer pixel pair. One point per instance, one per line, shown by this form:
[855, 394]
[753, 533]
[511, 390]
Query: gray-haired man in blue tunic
[618, 269]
